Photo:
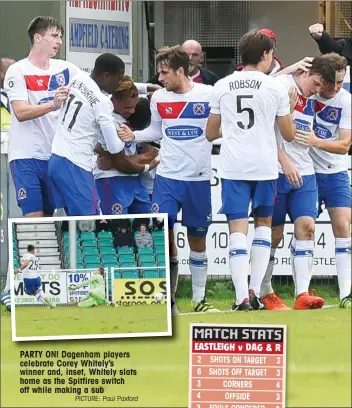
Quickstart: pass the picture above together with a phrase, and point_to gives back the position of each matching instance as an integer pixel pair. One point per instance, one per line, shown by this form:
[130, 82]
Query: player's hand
[105, 162]
[16, 272]
[316, 30]
[293, 96]
[304, 65]
[154, 162]
[72, 287]
[125, 134]
[292, 174]
[60, 96]
[306, 138]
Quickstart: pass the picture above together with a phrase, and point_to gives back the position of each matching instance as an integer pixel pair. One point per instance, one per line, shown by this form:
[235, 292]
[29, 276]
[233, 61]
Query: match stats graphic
[232, 365]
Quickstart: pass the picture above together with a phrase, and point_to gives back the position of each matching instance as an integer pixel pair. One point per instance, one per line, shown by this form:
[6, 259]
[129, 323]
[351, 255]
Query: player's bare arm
[290, 170]
[23, 266]
[287, 127]
[126, 164]
[26, 111]
[340, 146]
[213, 130]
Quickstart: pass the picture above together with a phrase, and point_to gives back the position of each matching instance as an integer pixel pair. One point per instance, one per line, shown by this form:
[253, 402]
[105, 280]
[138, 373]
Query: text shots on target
[84, 375]
[234, 366]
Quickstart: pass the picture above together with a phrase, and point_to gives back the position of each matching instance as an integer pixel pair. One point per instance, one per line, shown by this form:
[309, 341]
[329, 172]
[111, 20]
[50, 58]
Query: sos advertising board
[218, 239]
[96, 27]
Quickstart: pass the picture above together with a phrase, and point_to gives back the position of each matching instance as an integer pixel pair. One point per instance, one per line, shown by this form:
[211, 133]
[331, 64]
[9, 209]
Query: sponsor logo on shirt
[183, 132]
[321, 131]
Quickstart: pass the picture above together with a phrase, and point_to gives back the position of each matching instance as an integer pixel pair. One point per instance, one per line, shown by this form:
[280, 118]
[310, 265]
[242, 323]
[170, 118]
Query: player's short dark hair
[41, 24]
[253, 45]
[141, 117]
[30, 248]
[101, 270]
[126, 89]
[109, 63]
[174, 57]
[324, 67]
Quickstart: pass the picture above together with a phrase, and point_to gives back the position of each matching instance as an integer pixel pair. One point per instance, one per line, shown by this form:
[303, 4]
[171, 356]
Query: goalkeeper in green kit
[96, 296]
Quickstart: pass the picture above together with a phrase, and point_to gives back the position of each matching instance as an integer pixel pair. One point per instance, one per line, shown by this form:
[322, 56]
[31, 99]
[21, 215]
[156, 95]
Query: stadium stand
[94, 249]
[44, 237]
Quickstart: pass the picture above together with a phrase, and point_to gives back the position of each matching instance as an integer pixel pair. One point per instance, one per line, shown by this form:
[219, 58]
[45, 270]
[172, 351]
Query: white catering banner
[96, 27]
[54, 285]
[218, 239]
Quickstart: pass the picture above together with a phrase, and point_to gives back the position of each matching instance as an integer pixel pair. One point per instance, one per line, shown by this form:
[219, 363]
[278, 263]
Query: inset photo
[90, 277]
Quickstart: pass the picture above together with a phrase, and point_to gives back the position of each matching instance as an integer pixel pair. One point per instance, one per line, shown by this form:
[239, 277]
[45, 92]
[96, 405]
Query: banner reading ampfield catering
[218, 239]
[96, 27]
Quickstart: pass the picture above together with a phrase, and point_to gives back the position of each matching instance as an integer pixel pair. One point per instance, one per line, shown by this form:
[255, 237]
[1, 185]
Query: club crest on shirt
[199, 109]
[22, 194]
[155, 208]
[60, 79]
[117, 208]
[332, 114]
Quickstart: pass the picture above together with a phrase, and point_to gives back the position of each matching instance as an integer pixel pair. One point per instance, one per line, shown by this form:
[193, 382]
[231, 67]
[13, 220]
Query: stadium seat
[105, 243]
[127, 258]
[109, 258]
[159, 241]
[89, 243]
[87, 236]
[162, 273]
[90, 251]
[125, 251]
[160, 249]
[79, 259]
[117, 275]
[67, 240]
[160, 258]
[92, 259]
[80, 266]
[146, 258]
[158, 233]
[105, 234]
[145, 251]
[151, 274]
[107, 251]
[128, 265]
[130, 275]
[110, 264]
[148, 264]
[92, 265]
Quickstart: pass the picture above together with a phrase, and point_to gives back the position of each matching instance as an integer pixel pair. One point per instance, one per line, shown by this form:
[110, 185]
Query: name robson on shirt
[183, 132]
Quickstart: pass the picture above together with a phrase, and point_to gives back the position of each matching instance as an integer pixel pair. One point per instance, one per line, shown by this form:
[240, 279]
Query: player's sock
[343, 265]
[173, 277]
[260, 255]
[239, 265]
[303, 264]
[292, 259]
[198, 264]
[88, 303]
[266, 286]
[40, 297]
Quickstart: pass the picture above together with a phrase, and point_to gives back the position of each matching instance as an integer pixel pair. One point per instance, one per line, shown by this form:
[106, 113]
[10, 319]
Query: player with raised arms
[246, 105]
[96, 295]
[36, 88]
[329, 144]
[31, 279]
[297, 194]
[179, 116]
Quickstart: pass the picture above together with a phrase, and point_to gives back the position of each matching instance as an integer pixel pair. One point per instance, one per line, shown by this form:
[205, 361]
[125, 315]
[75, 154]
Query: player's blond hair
[126, 89]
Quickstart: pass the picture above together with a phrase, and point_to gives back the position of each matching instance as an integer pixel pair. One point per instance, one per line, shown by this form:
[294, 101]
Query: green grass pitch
[71, 320]
[318, 359]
